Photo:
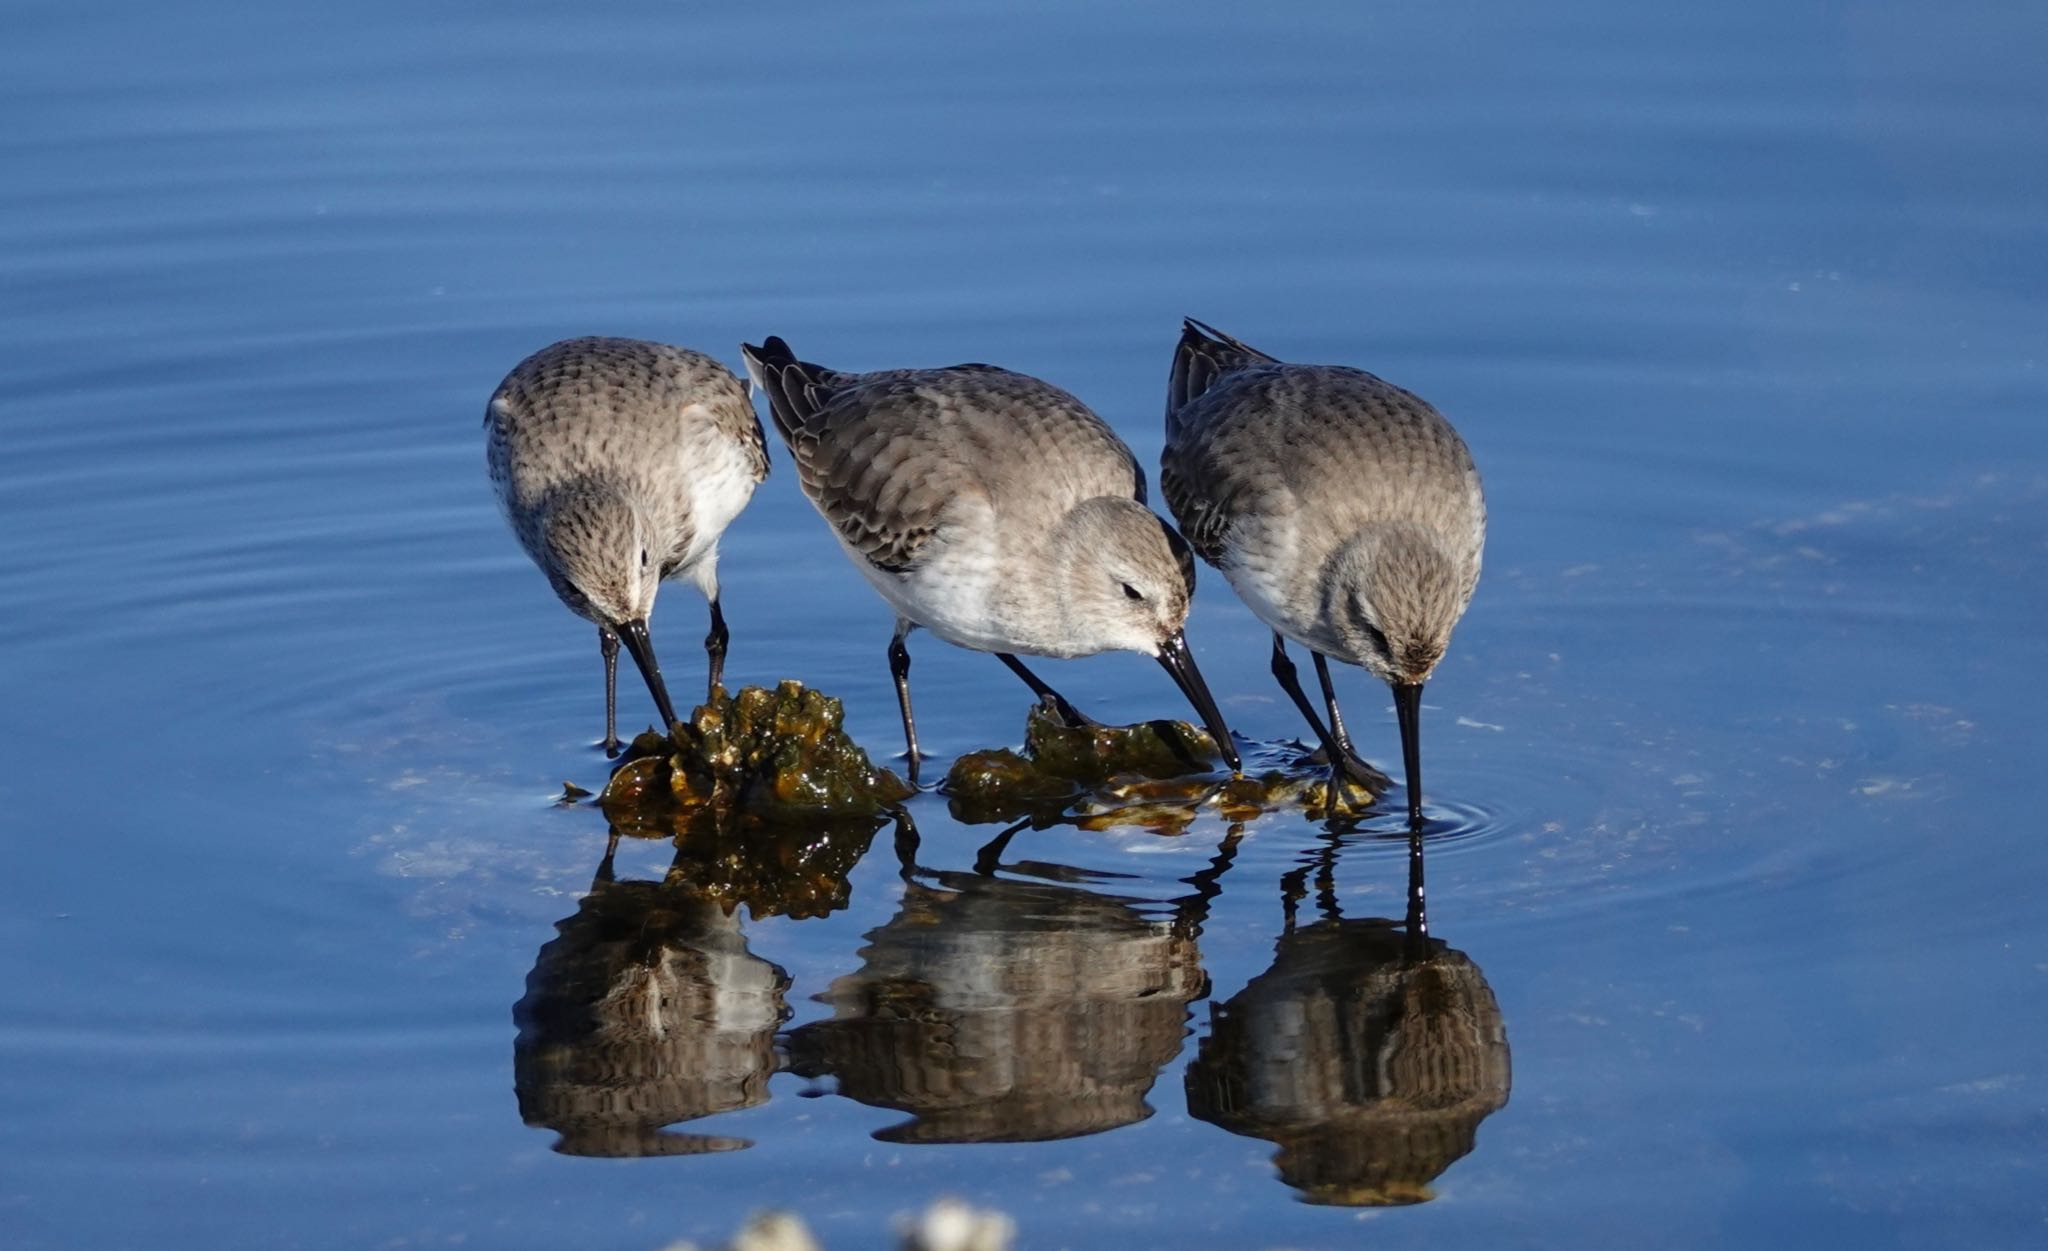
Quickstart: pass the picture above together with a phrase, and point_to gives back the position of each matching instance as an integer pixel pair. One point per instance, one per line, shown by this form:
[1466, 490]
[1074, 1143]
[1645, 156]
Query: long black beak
[1174, 658]
[634, 635]
[1408, 707]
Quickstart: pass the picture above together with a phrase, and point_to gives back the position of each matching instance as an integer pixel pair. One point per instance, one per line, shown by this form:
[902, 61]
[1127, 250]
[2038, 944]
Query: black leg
[608, 643]
[714, 644]
[1361, 772]
[1052, 698]
[1290, 681]
[899, 668]
[1330, 702]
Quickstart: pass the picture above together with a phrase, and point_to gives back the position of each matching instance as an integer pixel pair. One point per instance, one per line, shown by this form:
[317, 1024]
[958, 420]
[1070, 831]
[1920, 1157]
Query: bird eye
[643, 558]
[1379, 640]
[1132, 592]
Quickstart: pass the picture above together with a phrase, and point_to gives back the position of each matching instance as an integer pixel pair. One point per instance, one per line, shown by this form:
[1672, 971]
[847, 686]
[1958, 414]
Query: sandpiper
[994, 510]
[619, 463]
[1345, 511]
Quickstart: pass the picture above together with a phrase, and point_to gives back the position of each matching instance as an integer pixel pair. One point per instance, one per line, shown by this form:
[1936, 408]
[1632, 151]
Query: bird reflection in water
[646, 1009]
[1011, 1003]
[1369, 1052]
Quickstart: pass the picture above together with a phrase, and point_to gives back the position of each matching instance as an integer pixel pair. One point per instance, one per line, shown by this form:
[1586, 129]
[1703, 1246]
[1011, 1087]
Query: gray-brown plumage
[619, 463]
[991, 508]
[1370, 1065]
[645, 1010]
[1345, 511]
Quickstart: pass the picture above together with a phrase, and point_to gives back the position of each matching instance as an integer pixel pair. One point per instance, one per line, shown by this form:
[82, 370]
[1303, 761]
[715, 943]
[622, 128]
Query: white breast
[952, 591]
[721, 478]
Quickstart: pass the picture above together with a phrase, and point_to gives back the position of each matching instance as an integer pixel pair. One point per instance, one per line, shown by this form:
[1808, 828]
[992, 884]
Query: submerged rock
[1157, 774]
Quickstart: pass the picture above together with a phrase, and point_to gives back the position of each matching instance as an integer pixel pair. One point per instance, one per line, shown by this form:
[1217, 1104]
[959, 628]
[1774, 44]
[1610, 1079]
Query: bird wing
[1201, 491]
[1204, 355]
[1201, 487]
[1269, 440]
[887, 457]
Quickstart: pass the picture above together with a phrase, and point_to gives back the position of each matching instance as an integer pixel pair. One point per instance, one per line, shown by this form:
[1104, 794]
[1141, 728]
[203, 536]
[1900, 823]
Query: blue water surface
[1740, 308]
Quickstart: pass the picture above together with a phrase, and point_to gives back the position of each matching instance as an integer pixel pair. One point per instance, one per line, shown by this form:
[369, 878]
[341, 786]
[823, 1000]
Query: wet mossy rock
[1155, 773]
[759, 756]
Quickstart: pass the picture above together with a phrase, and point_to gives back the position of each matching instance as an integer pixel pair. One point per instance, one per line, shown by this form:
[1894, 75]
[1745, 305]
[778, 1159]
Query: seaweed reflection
[1011, 1004]
[646, 1009]
[1368, 1051]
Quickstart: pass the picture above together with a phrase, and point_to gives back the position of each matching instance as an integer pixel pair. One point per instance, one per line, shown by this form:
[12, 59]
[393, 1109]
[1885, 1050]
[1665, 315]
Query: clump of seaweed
[769, 802]
[756, 757]
[1157, 774]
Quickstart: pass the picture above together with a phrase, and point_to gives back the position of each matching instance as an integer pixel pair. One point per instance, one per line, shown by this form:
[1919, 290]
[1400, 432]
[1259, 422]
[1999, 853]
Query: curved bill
[634, 635]
[1408, 707]
[1175, 659]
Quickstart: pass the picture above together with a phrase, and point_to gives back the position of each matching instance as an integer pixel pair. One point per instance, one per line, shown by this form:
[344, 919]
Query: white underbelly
[952, 594]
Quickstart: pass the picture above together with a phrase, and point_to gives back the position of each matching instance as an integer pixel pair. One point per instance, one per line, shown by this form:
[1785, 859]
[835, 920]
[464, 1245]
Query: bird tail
[1204, 355]
[796, 390]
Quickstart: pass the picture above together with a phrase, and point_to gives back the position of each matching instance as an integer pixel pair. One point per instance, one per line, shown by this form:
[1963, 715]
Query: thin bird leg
[714, 644]
[899, 668]
[1052, 698]
[1290, 681]
[608, 643]
[1361, 772]
[1330, 701]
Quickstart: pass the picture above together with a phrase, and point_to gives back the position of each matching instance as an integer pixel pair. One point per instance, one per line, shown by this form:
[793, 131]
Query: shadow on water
[645, 1010]
[1010, 1003]
[1369, 1051]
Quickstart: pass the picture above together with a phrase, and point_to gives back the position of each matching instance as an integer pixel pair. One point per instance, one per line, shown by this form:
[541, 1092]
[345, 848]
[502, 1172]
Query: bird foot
[1357, 770]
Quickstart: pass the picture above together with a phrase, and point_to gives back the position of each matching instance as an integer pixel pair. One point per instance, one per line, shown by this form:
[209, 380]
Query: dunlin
[1344, 510]
[994, 510]
[619, 463]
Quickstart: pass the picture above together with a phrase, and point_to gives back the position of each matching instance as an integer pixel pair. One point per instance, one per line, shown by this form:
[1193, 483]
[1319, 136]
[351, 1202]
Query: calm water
[1736, 754]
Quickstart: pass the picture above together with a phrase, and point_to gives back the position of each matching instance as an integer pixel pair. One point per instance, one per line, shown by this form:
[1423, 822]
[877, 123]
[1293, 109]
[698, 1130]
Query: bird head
[1394, 595]
[600, 560]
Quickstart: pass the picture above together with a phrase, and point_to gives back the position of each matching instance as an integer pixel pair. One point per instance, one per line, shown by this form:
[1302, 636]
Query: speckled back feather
[1280, 437]
[885, 455]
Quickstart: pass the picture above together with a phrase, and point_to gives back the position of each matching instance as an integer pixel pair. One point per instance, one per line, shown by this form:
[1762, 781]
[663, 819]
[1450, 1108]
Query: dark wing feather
[1204, 355]
[873, 479]
[852, 437]
[1204, 519]
[1202, 359]
[885, 456]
